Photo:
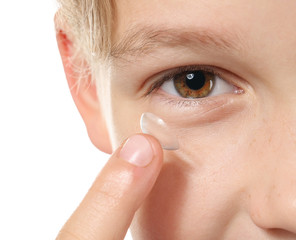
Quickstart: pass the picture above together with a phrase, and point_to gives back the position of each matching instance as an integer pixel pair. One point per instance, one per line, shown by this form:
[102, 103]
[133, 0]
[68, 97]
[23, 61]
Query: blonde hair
[89, 24]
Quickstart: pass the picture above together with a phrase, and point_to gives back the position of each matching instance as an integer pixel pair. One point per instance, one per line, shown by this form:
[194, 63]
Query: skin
[234, 174]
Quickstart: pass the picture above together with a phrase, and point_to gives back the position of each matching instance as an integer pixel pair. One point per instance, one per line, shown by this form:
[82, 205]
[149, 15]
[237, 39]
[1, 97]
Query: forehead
[241, 16]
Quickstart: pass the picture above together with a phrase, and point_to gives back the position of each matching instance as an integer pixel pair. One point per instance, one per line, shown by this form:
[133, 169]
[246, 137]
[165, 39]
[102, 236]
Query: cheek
[125, 119]
[200, 183]
[121, 111]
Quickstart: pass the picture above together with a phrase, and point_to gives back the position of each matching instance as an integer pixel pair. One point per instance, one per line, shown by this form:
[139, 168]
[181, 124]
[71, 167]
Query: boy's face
[234, 176]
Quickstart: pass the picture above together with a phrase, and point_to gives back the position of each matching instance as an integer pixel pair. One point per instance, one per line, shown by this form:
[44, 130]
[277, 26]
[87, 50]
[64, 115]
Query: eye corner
[238, 90]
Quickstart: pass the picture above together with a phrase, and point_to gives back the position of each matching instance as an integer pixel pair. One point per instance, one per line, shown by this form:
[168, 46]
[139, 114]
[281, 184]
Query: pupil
[195, 80]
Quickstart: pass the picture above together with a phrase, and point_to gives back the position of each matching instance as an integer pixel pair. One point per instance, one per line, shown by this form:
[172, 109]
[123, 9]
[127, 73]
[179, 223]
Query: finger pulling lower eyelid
[155, 126]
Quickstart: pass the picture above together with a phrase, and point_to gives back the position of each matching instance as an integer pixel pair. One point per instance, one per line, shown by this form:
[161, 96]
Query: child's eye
[196, 84]
[193, 82]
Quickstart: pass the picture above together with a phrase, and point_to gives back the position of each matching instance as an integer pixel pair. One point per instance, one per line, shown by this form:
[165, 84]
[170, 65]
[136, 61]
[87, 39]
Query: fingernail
[137, 150]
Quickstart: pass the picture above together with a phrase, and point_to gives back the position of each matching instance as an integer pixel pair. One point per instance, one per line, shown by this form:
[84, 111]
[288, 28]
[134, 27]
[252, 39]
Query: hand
[108, 208]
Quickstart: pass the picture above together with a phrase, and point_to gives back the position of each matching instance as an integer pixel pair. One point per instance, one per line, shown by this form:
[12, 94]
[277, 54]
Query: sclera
[155, 126]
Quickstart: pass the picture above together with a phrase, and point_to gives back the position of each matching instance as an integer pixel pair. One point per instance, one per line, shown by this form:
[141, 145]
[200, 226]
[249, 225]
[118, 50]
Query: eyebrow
[144, 40]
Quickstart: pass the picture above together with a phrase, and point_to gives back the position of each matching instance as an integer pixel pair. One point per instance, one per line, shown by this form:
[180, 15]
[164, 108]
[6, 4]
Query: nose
[274, 204]
[272, 196]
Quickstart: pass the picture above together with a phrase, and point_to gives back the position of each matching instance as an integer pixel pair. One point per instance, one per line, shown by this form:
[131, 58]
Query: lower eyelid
[179, 102]
[186, 112]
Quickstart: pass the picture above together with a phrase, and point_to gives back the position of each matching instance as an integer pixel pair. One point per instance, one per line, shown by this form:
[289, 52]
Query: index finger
[109, 206]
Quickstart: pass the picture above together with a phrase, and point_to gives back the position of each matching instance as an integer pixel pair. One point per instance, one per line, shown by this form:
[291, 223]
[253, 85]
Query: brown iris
[194, 84]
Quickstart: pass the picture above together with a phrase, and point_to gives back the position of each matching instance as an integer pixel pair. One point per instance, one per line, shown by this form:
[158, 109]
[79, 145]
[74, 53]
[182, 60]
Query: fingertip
[141, 149]
[156, 146]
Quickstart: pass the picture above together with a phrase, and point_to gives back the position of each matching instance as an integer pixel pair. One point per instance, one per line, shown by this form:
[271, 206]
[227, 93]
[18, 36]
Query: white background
[47, 162]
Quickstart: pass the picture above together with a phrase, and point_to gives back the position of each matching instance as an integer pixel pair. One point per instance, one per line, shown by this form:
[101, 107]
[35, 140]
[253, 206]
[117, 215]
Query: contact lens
[155, 126]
